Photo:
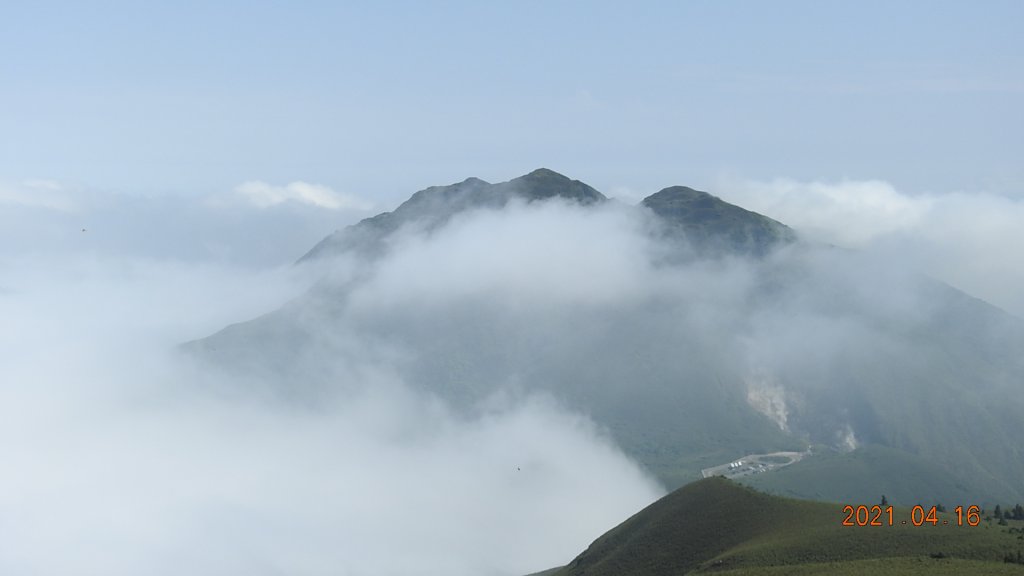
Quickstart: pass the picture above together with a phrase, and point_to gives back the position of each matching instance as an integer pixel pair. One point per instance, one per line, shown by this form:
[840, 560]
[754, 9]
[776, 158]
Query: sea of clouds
[121, 456]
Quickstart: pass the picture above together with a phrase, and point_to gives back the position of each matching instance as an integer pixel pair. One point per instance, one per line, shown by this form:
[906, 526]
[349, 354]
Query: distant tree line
[1000, 515]
[1016, 513]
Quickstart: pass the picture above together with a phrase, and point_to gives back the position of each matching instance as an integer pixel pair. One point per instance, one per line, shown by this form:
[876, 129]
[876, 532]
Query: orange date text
[919, 516]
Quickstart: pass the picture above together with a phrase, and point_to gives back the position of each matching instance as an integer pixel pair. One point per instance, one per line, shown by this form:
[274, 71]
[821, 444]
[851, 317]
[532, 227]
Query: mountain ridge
[432, 207]
[708, 224]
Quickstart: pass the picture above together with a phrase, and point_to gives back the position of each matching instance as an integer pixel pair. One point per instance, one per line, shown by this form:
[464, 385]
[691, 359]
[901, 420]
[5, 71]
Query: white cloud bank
[264, 195]
[848, 213]
[967, 240]
[120, 459]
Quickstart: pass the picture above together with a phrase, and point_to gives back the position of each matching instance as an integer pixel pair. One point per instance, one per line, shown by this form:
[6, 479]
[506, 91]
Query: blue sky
[381, 99]
[245, 132]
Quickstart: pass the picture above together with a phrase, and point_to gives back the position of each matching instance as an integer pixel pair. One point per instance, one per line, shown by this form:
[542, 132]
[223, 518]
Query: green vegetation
[713, 226]
[917, 566]
[717, 526]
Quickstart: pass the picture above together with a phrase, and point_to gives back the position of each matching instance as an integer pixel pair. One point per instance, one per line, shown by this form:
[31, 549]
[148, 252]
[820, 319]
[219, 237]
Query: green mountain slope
[917, 388]
[717, 526]
[711, 225]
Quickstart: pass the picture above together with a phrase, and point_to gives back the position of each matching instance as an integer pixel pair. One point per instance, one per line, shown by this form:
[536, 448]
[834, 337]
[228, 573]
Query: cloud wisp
[264, 195]
[46, 194]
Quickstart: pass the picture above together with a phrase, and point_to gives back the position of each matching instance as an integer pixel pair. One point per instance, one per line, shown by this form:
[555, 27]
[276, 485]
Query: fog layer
[121, 459]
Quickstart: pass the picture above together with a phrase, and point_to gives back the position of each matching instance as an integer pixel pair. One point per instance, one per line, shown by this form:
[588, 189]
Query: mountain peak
[711, 224]
[546, 173]
[683, 193]
[544, 183]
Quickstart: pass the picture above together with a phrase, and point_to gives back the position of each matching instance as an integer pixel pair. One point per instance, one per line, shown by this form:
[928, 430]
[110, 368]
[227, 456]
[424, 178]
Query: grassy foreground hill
[717, 526]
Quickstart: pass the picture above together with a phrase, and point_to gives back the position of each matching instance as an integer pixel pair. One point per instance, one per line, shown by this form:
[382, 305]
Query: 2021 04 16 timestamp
[919, 516]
